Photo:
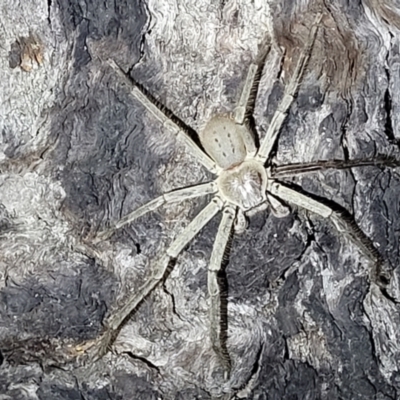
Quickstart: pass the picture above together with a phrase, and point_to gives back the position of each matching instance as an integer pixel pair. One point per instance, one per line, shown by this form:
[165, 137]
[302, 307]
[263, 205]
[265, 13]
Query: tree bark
[78, 152]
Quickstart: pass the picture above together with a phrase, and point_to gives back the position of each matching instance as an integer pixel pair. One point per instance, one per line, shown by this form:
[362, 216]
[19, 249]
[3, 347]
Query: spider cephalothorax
[244, 185]
[244, 182]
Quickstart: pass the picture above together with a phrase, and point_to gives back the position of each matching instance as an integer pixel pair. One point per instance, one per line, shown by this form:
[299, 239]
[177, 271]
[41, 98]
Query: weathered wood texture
[77, 152]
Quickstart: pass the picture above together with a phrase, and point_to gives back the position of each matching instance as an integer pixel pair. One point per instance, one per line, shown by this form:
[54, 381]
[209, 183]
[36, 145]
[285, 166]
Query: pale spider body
[223, 140]
[242, 180]
[244, 185]
[246, 181]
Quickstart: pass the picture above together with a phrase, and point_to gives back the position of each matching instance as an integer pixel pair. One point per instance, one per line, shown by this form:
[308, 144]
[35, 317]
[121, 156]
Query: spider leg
[216, 330]
[251, 82]
[161, 114]
[290, 91]
[343, 225]
[245, 106]
[240, 222]
[161, 266]
[286, 171]
[170, 197]
[278, 209]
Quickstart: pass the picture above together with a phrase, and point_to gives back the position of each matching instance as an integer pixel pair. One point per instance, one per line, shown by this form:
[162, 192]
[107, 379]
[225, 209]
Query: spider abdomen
[223, 140]
[244, 185]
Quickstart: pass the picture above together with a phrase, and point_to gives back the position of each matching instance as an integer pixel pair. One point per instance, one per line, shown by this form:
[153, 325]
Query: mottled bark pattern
[78, 152]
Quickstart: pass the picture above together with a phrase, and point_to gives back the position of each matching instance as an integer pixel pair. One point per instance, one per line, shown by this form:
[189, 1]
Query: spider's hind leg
[279, 209]
[95, 349]
[161, 266]
[217, 330]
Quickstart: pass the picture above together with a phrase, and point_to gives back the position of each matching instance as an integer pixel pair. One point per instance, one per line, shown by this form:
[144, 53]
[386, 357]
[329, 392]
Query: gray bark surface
[78, 152]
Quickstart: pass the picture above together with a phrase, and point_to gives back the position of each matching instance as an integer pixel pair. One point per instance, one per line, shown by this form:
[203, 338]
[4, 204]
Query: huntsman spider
[246, 181]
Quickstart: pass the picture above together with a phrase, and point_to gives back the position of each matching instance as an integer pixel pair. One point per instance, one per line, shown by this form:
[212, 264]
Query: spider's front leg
[160, 113]
[174, 196]
[279, 117]
[290, 170]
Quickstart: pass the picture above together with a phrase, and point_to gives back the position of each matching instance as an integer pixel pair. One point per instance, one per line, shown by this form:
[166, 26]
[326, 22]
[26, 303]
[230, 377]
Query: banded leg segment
[216, 331]
[290, 91]
[346, 226]
[170, 197]
[161, 266]
[149, 103]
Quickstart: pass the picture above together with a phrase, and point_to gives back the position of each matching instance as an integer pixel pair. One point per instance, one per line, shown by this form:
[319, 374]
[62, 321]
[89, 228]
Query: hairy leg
[216, 329]
[170, 197]
[97, 348]
[160, 267]
[279, 117]
[161, 114]
[344, 225]
[287, 171]
[245, 107]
